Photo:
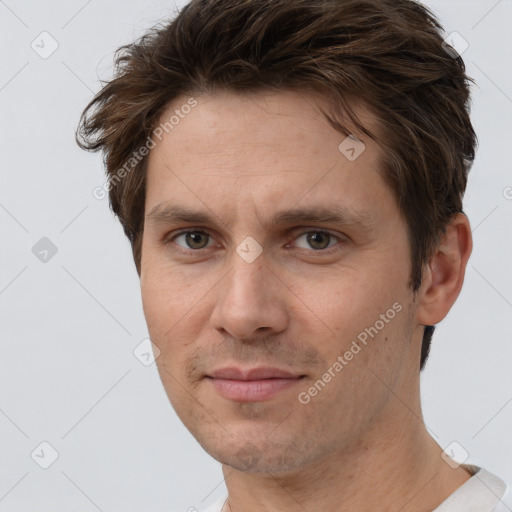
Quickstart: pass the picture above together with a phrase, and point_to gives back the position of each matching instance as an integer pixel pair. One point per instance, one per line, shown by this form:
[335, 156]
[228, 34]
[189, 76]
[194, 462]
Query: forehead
[260, 113]
[265, 147]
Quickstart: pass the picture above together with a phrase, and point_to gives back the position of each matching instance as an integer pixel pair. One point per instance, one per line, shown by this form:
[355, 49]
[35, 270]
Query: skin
[297, 306]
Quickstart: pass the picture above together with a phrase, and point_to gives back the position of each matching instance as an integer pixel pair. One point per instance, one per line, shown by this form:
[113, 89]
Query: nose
[250, 300]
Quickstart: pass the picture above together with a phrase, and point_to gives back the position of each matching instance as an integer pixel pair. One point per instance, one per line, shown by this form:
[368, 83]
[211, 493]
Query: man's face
[245, 291]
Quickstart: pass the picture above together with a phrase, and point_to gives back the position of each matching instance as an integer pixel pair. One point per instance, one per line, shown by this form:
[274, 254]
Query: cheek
[165, 292]
[152, 300]
[175, 310]
[161, 310]
[342, 299]
[357, 312]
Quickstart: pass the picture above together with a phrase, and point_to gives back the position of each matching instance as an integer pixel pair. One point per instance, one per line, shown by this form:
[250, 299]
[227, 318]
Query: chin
[276, 456]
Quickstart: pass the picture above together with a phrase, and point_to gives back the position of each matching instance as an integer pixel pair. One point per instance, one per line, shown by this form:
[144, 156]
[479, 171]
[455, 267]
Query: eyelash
[169, 239]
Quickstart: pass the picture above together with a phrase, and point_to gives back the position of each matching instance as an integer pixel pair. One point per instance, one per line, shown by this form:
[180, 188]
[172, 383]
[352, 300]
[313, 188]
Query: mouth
[252, 384]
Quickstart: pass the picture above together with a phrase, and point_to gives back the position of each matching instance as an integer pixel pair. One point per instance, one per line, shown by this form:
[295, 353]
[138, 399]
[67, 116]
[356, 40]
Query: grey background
[68, 375]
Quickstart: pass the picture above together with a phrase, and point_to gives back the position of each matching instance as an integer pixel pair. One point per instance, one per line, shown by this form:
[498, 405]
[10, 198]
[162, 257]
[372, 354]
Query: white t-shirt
[483, 492]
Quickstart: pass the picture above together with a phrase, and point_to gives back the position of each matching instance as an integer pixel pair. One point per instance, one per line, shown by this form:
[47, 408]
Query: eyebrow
[333, 214]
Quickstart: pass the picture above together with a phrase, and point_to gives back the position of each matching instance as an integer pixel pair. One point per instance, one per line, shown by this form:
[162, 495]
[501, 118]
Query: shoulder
[505, 503]
[484, 492]
[495, 490]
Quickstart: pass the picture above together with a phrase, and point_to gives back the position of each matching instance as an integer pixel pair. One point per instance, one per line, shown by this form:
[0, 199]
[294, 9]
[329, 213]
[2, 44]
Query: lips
[234, 373]
[252, 384]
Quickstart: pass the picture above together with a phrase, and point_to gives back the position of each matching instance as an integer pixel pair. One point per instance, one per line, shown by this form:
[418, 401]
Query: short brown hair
[388, 54]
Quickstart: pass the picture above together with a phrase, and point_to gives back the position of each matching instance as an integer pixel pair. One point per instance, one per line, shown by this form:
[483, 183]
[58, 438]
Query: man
[290, 175]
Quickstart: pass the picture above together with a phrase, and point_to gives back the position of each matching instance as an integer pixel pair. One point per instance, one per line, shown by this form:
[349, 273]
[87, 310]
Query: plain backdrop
[70, 309]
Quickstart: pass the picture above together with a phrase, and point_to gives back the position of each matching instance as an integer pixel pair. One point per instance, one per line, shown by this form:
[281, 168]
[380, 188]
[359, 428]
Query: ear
[444, 274]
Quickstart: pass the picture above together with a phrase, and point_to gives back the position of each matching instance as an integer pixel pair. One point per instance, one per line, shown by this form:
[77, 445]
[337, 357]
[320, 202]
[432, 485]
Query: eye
[194, 240]
[318, 240]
